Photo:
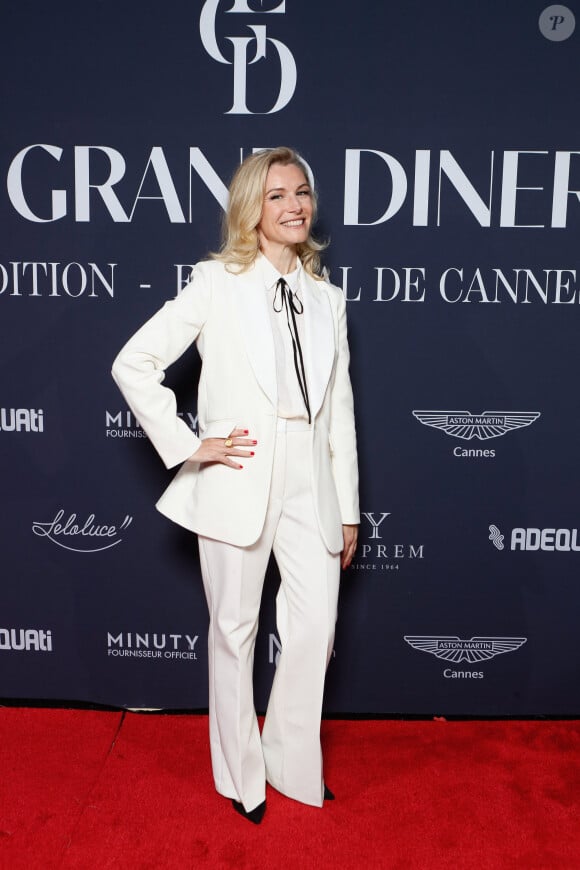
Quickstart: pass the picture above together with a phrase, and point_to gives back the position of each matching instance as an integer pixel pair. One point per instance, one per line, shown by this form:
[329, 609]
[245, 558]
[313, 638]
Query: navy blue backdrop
[444, 141]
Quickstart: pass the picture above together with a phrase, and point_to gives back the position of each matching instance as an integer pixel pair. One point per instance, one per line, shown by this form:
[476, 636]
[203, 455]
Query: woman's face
[287, 209]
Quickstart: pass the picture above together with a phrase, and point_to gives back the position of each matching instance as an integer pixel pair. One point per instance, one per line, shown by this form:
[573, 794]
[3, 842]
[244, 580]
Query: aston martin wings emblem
[452, 649]
[488, 424]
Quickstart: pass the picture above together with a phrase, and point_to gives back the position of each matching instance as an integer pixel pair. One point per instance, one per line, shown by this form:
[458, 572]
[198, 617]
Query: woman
[274, 468]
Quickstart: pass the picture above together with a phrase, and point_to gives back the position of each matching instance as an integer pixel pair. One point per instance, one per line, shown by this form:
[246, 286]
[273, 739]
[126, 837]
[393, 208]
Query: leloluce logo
[483, 427]
[245, 51]
[81, 536]
[451, 648]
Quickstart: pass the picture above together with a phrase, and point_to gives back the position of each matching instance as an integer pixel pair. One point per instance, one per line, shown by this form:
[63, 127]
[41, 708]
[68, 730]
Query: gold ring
[228, 443]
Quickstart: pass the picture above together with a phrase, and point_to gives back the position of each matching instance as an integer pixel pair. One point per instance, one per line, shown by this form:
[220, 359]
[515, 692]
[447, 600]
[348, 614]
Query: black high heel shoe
[256, 815]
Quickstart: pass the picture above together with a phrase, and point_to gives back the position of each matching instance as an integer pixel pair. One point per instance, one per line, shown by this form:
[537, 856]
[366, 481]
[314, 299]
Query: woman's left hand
[350, 537]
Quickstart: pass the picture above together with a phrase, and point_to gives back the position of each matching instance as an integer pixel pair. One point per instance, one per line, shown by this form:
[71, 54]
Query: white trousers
[288, 753]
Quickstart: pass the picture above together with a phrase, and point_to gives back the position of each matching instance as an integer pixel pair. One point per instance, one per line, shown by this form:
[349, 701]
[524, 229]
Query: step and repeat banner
[445, 144]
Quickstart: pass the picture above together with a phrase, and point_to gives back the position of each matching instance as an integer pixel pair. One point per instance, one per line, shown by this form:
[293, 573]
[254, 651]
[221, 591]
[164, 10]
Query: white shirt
[290, 400]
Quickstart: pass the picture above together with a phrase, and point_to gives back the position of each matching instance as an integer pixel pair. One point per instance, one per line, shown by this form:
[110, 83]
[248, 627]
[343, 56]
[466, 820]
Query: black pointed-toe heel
[328, 795]
[256, 815]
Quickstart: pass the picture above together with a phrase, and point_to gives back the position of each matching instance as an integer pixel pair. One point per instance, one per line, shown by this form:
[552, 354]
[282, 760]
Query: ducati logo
[249, 50]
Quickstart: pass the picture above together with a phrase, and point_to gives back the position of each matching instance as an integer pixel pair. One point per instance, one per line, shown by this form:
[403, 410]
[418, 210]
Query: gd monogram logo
[240, 61]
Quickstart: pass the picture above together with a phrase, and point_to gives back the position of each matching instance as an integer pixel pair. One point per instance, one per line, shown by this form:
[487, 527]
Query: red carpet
[85, 789]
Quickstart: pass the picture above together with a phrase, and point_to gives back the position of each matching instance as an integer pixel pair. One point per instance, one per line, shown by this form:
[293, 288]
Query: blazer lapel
[250, 296]
[319, 341]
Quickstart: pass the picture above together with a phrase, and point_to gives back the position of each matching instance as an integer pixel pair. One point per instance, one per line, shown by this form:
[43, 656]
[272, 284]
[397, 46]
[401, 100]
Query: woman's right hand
[222, 449]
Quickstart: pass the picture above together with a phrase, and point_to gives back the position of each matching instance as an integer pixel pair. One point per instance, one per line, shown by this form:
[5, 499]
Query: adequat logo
[249, 50]
[483, 427]
[532, 539]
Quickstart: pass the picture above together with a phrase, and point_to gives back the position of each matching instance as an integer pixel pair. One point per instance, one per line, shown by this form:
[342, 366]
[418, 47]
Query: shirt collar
[271, 275]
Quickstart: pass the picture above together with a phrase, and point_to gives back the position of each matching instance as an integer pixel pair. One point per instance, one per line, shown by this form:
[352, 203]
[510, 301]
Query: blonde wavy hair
[240, 243]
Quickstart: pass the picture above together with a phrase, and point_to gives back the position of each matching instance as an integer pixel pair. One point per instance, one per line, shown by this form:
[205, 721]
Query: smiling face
[286, 212]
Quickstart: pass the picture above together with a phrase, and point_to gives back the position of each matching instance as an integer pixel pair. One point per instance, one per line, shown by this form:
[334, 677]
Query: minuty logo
[79, 536]
[244, 56]
[152, 645]
[275, 649]
[124, 424]
[484, 426]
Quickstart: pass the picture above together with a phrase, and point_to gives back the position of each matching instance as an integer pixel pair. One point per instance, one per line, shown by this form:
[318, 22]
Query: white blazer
[226, 315]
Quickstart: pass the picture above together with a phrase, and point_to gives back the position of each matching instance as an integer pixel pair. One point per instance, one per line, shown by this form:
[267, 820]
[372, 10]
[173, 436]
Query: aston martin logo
[488, 424]
[452, 649]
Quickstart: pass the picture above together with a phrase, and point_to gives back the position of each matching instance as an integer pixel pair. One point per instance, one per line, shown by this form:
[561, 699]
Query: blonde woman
[274, 468]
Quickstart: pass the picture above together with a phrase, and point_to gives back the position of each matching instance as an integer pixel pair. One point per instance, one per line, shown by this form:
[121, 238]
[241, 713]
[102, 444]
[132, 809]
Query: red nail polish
[251, 452]
[254, 442]
[246, 431]
[240, 466]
